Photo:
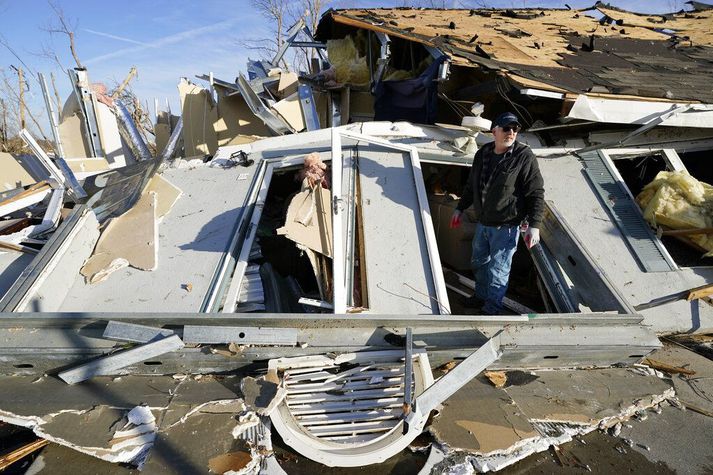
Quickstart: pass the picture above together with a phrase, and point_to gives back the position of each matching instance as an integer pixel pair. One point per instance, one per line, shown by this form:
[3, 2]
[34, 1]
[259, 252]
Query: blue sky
[169, 39]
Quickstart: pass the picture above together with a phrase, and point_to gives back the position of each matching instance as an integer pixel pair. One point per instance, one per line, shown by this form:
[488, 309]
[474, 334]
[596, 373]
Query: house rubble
[293, 267]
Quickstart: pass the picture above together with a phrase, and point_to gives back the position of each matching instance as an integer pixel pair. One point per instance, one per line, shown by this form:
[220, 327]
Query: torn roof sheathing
[550, 49]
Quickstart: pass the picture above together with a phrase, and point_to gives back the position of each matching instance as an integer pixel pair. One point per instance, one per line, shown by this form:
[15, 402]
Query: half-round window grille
[347, 411]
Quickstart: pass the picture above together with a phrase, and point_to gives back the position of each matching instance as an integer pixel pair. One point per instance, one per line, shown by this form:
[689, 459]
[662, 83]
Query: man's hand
[532, 237]
[455, 219]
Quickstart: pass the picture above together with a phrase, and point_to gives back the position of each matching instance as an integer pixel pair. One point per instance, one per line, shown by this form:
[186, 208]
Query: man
[506, 190]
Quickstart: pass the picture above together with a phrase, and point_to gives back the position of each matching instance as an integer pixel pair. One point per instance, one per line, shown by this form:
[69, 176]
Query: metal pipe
[172, 144]
[130, 132]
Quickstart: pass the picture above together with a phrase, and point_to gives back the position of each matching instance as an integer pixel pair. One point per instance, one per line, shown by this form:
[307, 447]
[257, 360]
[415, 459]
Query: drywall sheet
[109, 136]
[236, 123]
[12, 174]
[288, 84]
[131, 239]
[162, 132]
[165, 424]
[481, 418]
[200, 114]
[309, 220]
[290, 110]
[11, 266]
[489, 428]
[166, 194]
[55, 279]
[398, 272]
[88, 165]
[639, 112]
[694, 390]
[593, 227]
[72, 130]
[584, 396]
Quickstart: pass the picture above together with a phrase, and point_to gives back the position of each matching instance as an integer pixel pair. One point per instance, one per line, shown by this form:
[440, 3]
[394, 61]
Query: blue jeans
[493, 248]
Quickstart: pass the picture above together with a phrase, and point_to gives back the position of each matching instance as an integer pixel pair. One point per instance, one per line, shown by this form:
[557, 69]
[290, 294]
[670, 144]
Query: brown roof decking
[552, 47]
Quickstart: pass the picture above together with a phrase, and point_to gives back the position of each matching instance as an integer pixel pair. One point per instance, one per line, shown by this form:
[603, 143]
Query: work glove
[455, 219]
[532, 236]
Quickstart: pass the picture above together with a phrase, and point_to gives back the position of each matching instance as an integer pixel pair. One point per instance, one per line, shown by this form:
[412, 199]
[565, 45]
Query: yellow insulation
[679, 201]
[351, 67]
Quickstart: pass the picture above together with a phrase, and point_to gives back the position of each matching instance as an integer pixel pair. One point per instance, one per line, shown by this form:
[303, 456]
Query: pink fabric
[102, 94]
[314, 171]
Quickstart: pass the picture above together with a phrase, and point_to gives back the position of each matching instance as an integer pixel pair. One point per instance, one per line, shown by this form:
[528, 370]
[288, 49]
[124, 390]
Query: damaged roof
[563, 50]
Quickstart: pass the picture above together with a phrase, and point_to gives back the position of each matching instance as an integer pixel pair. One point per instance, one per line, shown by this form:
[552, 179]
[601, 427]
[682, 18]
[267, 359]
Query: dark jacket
[515, 192]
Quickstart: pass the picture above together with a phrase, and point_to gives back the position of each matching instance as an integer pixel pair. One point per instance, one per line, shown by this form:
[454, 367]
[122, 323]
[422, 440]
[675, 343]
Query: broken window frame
[23, 292]
[233, 293]
[243, 238]
[384, 57]
[673, 163]
[340, 285]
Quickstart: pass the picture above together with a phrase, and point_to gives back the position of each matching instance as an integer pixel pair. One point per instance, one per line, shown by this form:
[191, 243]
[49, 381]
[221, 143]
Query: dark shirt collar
[507, 152]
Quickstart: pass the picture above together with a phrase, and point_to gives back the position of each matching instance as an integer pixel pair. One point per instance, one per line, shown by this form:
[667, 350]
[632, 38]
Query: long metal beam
[36, 343]
[33, 345]
[80, 319]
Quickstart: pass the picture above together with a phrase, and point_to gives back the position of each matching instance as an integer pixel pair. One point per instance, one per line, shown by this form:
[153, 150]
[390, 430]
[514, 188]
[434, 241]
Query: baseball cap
[506, 118]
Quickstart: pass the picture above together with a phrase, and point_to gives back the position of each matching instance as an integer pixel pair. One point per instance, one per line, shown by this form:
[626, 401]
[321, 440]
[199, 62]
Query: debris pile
[279, 254]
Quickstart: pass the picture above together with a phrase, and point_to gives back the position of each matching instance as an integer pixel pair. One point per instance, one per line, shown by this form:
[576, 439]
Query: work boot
[473, 302]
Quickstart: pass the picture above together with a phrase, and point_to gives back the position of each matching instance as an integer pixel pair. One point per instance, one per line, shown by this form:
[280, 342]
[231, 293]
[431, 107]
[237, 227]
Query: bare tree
[311, 11]
[3, 126]
[7, 46]
[282, 14]
[275, 11]
[64, 27]
[20, 109]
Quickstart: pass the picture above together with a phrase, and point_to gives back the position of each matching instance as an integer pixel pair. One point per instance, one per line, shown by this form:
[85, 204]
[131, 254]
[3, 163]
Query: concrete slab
[695, 390]
[584, 396]
[481, 418]
[680, 439]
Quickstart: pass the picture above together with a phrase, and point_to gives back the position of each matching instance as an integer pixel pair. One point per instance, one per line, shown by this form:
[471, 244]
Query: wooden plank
[29, 197]
[667, 368]
[15, 247]
[700, 292]
[686, 232]
[21, 452]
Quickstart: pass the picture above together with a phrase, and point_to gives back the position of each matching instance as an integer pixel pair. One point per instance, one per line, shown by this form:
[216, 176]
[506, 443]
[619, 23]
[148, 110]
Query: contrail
[166, 40]
[114, 37]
